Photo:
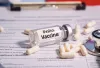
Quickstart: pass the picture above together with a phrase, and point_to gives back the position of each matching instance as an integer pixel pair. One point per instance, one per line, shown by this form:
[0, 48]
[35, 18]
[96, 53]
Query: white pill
[77, 29]
[67, 47]
[77, 33]
[26, 31]
[78, 44]
[83, 50]
[61, 49]
[90, 24]
[76, 37]
[75, 49]
[67, 55]
[88, 30]
[1, 29]
[32, 50]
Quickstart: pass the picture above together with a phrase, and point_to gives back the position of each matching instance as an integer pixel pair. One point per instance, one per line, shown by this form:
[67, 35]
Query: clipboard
[16, 5]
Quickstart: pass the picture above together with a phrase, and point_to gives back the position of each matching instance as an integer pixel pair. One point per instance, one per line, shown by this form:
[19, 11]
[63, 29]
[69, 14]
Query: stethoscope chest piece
[92, 47]
[96, 33]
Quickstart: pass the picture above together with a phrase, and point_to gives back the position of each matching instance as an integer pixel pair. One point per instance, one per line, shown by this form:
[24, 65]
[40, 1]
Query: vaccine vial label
[49, 34]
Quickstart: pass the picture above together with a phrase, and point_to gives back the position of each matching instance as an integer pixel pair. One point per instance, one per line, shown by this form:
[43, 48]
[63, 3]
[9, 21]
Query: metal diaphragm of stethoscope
[91, 45]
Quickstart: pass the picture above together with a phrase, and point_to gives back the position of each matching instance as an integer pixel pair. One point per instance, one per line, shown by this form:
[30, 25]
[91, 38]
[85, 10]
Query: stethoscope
[91, 45]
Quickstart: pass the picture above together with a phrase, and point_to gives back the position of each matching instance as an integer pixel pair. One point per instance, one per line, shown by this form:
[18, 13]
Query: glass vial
[50, 35]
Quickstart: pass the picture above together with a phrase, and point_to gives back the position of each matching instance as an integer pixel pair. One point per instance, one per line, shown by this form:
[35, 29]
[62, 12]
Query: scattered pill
[61, 49]
[88, 30]
[71, 51]
[83, 50]
[67, 55]
[1, 29]
[67, 47]
[77, 29]
[76, 37]
[26, 31]
[78, 44]
[90, 24]
[77, 34]
[75, 49]
[32, 50]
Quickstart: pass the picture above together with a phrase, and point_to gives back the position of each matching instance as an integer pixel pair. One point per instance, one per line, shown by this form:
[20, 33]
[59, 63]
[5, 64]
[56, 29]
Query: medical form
[13, 43]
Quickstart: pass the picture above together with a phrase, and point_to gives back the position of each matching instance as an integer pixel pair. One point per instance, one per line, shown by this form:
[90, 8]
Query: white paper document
[13, 43]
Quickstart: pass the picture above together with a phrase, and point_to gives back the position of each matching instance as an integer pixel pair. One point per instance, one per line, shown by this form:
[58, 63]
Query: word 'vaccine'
[50, 35]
